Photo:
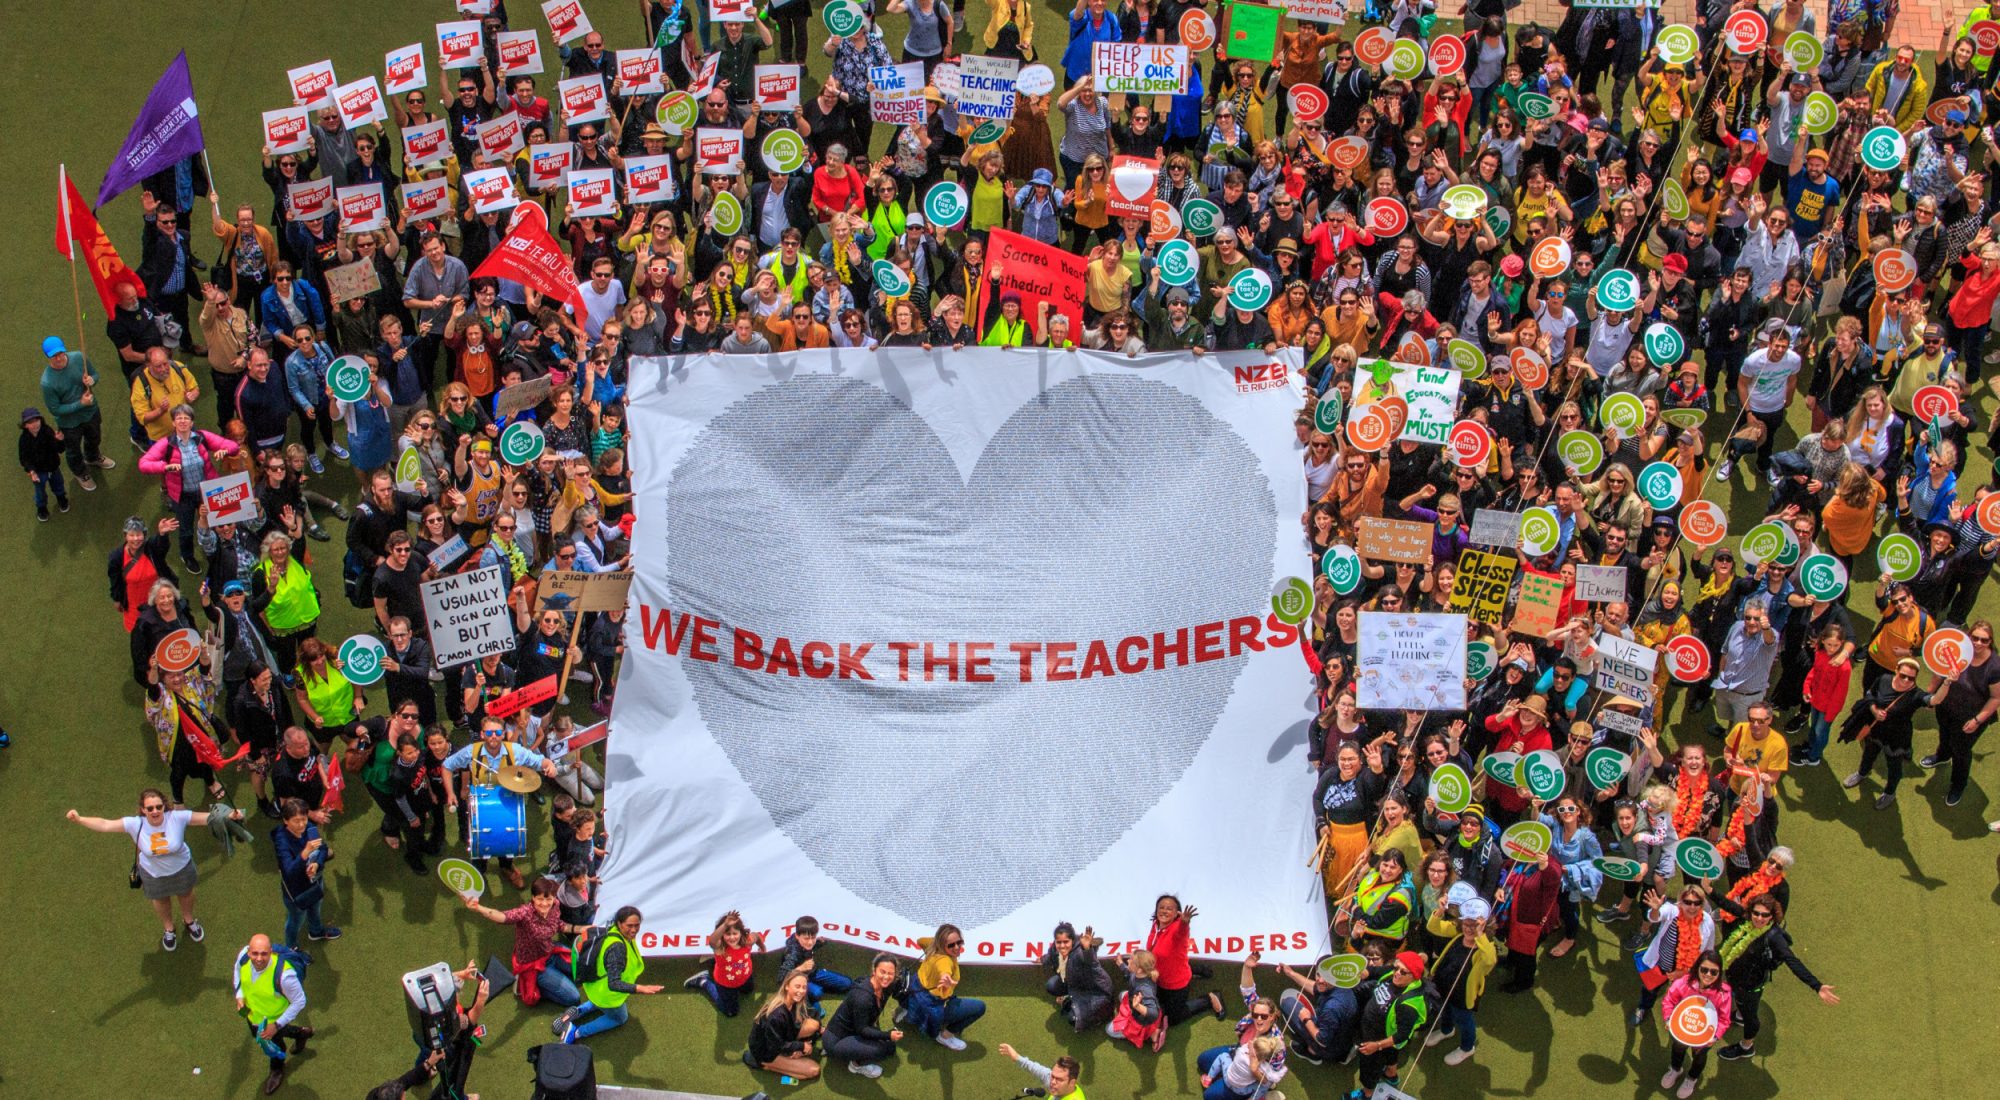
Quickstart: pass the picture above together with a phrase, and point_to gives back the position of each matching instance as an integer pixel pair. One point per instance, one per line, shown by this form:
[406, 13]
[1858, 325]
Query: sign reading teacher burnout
[984, 443]
[468, 614]
[1410, 662]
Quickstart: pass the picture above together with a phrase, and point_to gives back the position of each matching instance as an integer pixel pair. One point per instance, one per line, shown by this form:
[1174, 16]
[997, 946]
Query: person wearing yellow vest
[282, 593]
[1063, 1080]
[613, 977]
[326, 698]
[270, 997]
[1382, 903]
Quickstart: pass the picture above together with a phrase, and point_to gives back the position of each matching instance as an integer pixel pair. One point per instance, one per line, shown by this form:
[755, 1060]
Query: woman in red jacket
[1966, 318]
[1520, 727]
[1529, 894]
[1168, 939]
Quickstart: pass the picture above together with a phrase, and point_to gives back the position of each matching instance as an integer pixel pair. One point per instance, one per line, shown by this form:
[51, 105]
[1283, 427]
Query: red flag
[76, 225]
[531, 257]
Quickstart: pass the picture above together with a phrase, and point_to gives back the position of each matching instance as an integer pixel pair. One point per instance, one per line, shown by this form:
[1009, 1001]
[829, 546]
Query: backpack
[589, 954]
[357, 577]
[563, 1072]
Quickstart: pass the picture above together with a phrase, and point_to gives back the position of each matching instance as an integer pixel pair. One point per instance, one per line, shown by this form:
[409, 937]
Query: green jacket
[63, 390]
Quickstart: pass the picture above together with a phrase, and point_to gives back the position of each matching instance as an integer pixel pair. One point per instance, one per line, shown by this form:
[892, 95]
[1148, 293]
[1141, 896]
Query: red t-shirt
[1512, 739]
[1170, 950]
[732, 967]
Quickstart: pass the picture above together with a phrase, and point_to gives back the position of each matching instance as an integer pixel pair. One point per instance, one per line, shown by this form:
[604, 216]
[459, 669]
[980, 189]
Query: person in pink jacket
[182, 461]
[1705, 981]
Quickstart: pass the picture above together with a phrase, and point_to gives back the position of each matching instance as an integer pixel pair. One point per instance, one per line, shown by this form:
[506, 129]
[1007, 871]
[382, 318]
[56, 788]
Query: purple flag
[168, 129]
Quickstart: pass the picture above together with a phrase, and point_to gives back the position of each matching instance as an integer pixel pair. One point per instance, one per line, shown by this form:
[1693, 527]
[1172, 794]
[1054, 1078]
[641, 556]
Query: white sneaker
[1459, 1057]
[1434, 1038]
[1672, 1076]
[1852, 781]
[951, 1042]
[582, 676]
[870, 1071]
[106, 462]
[1724, 468]
[1993, 826]
[1687, 1088]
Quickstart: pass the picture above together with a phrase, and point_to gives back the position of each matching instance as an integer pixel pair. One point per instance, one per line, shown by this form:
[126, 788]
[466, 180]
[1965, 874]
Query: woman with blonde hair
[1090, 204]
[1849, 518]
[783, 1031]
[935, 1008]
[282, 592]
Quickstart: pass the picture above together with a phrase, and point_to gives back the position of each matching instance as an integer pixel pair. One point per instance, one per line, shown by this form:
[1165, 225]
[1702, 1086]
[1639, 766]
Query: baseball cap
[1676, 263]
[234, 588]
[1739, 175]
[522, 330]
[30, 413]
[1177, 295]
[52, 346]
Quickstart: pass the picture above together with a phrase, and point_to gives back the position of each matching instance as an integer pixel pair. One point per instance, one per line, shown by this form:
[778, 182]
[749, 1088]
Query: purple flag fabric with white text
[168, 128]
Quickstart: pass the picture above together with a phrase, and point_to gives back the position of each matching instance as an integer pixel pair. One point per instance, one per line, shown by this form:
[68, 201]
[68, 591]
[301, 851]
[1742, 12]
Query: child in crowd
[730, 974]
[41, 456]
[799, 948]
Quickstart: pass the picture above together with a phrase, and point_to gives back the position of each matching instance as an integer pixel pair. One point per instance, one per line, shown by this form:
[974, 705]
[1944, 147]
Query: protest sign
[350, 281]
[1317, 11]
[548, 165]
[409, 470]
[500, 137]
[475, 7]
[1133, 183]
[1394, 540]
[1493, 527]
[520, 52]
[228, 499]
[460, 44]
[285, 131]
[567, 19]
[360, 103]
[312, 85]
[1600, 583]
[778, 87]
[525, 394]
[649, 179]
[308, 199]
[731, 11]
[447, 555]
[403, 70]
[1410, 662]
[427, 199]
[1626, 668]
[523, 697]
[427, 143]
[363, 208]
[1541, 597]
[1038, 273]
[718, 150]
[896, 93]
[1431, 394]
[490, 189]
[468, 614]
[1479, 588]
[592, 193]
[1141, 68]
[573, 590]
[1252, 33]
[583, 99]
[986, 87]
[639, 73]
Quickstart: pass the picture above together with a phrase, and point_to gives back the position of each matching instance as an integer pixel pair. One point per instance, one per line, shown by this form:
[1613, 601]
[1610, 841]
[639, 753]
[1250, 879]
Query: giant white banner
[984, 638]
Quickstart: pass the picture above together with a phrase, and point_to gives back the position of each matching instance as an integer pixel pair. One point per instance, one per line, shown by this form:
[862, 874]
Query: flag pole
[69, 249]
[214, 203]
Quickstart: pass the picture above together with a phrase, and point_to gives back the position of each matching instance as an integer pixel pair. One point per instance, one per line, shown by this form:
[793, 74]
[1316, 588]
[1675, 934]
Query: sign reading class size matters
[1479, 588]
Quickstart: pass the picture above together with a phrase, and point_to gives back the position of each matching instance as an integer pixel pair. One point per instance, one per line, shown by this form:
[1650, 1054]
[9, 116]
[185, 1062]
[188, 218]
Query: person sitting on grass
[731, 968]
[852, 1034]
[783, 1031]
[799, 947]
[1076, 979]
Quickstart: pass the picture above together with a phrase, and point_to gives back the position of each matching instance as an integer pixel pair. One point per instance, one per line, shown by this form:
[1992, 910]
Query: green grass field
[1895, 909]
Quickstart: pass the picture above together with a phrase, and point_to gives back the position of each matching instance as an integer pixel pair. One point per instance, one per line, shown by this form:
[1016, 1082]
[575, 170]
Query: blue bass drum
[499, 823]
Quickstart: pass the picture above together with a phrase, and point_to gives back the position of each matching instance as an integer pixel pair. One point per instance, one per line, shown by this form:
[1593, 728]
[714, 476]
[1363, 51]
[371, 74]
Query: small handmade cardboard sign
[1395, 540]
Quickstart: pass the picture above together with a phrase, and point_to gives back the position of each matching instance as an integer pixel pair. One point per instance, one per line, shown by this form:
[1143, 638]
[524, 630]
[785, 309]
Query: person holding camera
[1063, 1080]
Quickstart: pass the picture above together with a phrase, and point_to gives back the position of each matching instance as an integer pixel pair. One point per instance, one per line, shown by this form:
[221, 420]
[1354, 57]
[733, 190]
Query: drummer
[485, 759]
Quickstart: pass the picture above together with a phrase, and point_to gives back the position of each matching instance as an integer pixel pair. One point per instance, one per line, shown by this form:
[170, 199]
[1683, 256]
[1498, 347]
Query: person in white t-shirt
[1769, 378]
[165, 865]
[602, 294]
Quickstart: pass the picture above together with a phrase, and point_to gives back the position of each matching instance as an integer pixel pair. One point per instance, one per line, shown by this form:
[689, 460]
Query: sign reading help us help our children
[1411, 662]
[1140, 68]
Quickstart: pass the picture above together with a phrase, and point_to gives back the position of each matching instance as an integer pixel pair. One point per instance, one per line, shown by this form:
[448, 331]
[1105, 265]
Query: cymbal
[520, 780]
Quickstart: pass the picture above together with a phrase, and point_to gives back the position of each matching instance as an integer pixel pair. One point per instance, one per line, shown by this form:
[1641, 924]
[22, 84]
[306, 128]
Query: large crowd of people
[1669, 269]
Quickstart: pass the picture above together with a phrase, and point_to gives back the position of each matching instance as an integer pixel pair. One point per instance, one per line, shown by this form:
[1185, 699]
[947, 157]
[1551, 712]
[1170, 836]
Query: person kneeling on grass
[1256, 1062]
[730, 972]
[607, 972]
[1063, 1080]
[1077, 980]
[934, 1005]
[783, 1031]
[852, 1034]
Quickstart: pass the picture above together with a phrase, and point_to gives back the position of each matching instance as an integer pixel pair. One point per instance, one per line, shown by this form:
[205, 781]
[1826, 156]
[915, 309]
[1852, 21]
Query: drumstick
[1319, 854]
